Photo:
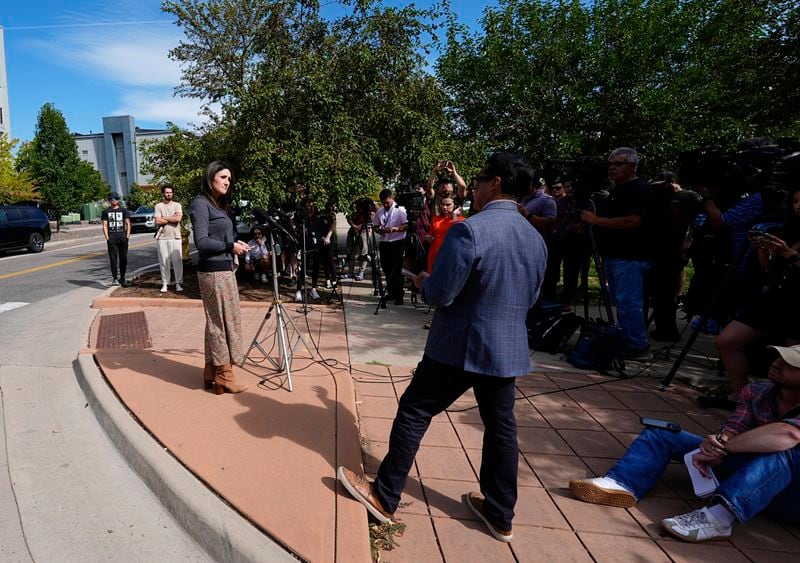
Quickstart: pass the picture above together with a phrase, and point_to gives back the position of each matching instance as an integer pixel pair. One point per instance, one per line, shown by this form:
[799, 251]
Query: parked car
[143, 219]
[23, 226]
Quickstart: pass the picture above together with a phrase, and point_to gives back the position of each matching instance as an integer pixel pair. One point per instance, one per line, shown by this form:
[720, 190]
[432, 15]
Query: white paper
[703, 486]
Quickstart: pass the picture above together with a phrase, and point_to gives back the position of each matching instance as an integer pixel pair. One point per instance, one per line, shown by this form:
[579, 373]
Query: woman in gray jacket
[215, 239]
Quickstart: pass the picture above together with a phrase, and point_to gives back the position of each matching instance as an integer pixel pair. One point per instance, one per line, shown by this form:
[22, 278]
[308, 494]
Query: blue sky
[56, 52]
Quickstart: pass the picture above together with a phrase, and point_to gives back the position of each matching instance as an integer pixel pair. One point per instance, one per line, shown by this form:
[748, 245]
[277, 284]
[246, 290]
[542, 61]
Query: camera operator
[391, 223]
[357, 247]
[538, 207]
[319, 233]
[720, 242]
[622, 221]
[291, 212]
[770, 317]
[675, 209]
[438, 188]
[568, 243]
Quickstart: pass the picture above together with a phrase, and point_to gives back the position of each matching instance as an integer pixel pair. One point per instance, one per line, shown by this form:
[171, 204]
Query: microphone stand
[282, 320]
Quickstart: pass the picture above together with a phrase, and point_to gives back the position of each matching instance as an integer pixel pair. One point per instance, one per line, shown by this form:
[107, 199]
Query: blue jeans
[625, 280]
[749, 483]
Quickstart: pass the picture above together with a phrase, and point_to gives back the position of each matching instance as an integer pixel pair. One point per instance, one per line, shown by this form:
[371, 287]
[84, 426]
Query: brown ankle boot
[208, 376]
[224, 380]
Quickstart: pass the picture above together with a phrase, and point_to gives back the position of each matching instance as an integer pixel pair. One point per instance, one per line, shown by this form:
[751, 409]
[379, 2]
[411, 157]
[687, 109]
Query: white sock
[722, 514]
[609, 483]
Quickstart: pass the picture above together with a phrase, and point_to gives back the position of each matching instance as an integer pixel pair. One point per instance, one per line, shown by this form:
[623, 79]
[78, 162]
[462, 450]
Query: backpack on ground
[550, 329]
[598, 346]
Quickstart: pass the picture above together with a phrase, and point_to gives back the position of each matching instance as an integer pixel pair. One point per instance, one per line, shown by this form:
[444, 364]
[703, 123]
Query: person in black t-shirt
[624, 242]
[117, 230]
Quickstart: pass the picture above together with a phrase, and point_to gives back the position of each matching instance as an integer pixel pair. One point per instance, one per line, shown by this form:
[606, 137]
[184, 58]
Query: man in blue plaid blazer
[485, 279]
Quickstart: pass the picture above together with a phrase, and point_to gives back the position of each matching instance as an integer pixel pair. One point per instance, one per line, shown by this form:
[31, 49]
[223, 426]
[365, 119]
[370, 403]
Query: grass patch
[381, 538]
[377, 363]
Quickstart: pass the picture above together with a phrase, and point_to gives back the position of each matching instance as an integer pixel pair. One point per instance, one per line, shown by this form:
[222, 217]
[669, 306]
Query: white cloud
[160, 106]
[132, 61]
[124, 56]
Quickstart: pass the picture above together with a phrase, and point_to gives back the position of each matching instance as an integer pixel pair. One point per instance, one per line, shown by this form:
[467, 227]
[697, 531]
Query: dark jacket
[213, 235]
[486, 277]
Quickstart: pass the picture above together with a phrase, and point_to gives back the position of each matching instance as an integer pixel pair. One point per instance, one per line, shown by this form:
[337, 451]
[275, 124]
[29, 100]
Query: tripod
[302, 274]
[282, 320]
[374, 258]
[726, 280]
[417, 254]
[605, 297]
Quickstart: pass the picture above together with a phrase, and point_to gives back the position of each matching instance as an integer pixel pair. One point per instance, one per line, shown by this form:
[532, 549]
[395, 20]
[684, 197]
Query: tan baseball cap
[790, 354]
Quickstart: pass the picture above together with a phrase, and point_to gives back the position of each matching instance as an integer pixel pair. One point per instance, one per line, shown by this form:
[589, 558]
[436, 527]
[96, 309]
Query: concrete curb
[106, 302]
[217, 528]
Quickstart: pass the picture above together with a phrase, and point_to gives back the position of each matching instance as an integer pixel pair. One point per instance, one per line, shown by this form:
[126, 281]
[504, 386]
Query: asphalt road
[28, 278]
[66, 494]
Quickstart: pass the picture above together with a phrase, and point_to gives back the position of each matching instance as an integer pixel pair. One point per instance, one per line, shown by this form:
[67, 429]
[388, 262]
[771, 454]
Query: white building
[116, 152]
[5, 116]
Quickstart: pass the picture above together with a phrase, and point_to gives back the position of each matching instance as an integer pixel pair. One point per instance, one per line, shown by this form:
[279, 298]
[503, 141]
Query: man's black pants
[392, 265]
[118, 255]
[433, 388]
[661, 283]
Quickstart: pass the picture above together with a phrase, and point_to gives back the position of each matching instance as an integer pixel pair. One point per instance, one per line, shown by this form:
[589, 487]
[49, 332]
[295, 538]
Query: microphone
[265, 219]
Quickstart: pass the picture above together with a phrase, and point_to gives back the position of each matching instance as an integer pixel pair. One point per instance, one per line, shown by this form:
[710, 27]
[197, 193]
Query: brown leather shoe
[225, 381]
[361, 490]
[208, 376]
[474, 500]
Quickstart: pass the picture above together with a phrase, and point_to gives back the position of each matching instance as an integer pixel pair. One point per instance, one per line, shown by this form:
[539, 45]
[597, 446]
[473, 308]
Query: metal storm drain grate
[126, 331]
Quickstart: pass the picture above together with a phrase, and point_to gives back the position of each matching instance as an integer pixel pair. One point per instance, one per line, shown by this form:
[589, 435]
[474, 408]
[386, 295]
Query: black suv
[23, 227]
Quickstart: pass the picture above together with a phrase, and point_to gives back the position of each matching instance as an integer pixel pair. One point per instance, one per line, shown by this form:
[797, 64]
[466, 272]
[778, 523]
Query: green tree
[558, 78]
[338, 106]
[179, 160]
[137, 197]
[62, 179]
[14, 186]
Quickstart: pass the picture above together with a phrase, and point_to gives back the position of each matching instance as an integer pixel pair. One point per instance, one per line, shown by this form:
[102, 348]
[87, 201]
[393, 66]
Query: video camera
[758, 165]
[587, 174]
[412, 200]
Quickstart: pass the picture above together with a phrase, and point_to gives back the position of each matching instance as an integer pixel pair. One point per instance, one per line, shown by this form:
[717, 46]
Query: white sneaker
[178, 287]
[314, 293]
[164, 288]
[696, 526]
[602, 490]
[328, 284]
[360, 276]
[298, 297]
[264, 278]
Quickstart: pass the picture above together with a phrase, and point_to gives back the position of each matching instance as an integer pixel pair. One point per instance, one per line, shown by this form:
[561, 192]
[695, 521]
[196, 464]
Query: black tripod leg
[667, 381]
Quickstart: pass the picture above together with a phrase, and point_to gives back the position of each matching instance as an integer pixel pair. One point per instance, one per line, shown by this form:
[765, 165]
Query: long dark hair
[223, 202]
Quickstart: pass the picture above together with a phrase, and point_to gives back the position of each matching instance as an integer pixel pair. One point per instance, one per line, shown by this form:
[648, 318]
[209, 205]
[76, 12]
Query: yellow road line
[63, 262]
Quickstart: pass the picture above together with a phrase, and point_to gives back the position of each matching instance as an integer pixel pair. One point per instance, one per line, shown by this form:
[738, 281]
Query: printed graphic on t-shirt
[116, 222]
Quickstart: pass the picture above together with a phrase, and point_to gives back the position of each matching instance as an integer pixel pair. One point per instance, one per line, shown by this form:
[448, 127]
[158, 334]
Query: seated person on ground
[256, 260]
[755, 457]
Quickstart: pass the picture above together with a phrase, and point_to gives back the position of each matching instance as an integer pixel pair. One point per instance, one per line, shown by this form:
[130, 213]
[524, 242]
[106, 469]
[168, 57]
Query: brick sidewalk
[571, 426]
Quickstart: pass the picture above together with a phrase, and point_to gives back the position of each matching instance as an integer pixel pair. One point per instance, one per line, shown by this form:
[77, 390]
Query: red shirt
[440, 224]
